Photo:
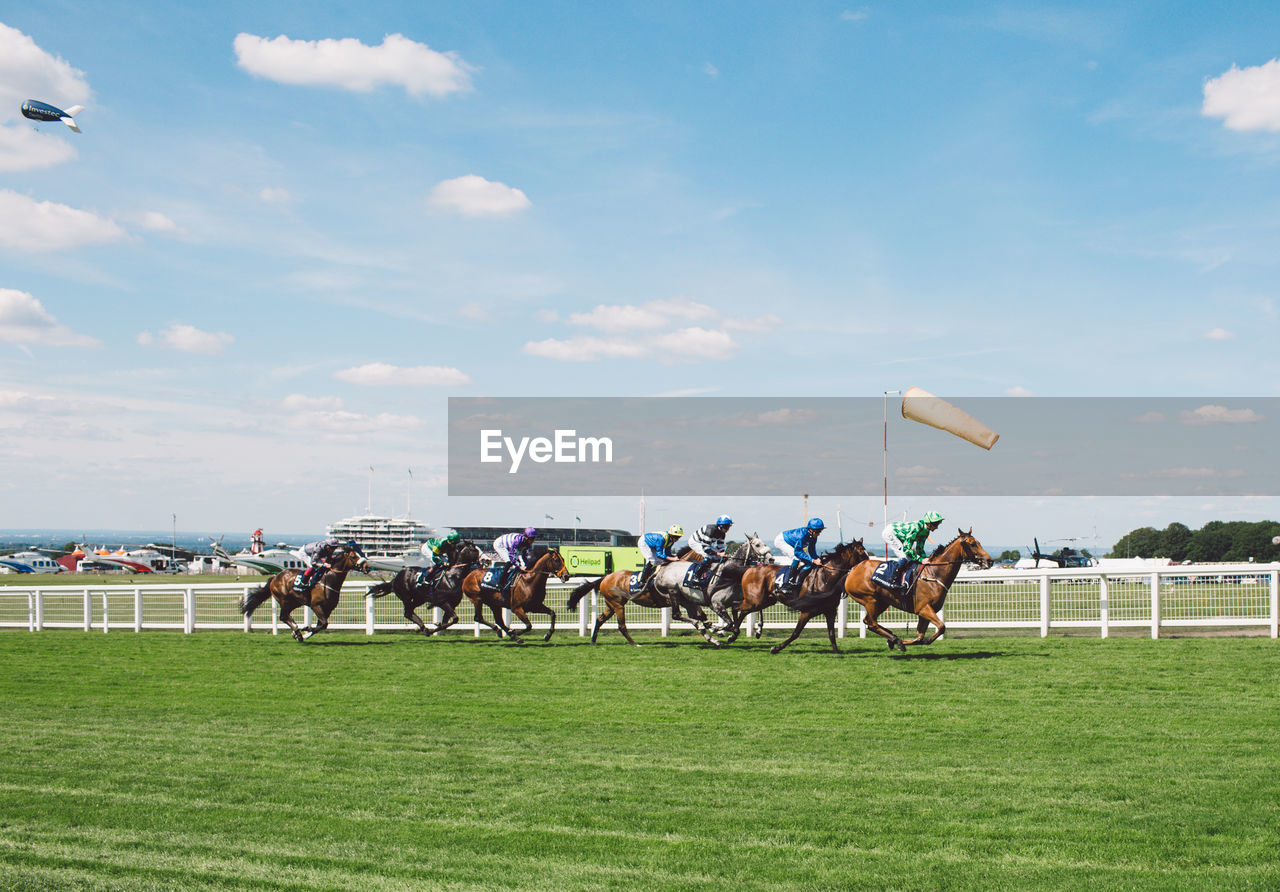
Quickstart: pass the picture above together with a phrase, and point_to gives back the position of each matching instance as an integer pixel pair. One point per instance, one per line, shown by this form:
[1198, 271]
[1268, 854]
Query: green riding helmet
[453, 536]
[933, 517]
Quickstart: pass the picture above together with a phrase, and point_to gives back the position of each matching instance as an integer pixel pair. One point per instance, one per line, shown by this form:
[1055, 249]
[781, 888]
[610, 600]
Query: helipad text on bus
[563, 447]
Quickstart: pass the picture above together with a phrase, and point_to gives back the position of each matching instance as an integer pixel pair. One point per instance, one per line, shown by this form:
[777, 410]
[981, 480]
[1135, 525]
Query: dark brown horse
[526, 594]
[444, 592]
[322, 599]
[819, 594]
[927, 594]
[615, 588]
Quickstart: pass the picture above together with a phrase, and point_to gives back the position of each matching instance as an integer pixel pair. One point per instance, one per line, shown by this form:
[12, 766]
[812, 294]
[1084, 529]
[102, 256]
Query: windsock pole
[885, 459]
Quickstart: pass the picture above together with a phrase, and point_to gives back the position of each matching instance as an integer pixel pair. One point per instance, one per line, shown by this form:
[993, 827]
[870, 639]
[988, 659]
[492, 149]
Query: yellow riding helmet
[676, 531]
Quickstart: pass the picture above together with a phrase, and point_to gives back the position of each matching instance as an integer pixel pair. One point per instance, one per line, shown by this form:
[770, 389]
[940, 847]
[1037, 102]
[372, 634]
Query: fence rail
[1226, 595]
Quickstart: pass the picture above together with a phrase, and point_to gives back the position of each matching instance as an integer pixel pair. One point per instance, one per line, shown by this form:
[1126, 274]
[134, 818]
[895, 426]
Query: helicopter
[1063, 557]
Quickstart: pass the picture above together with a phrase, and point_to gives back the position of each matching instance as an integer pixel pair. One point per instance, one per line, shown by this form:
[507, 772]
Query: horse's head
[468, 554]
[554, 561]
[352, 559]
[972, 549]
[759, 553]
[848, 554]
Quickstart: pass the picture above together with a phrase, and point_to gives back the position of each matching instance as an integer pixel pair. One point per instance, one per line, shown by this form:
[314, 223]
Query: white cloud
[23, 320]
[1018, 390]
[1245, 98]
[766, 322]
[22, 148]
[710, 70]
[1219, 334]
[653, 315]
[188, 339]
[30, 225]
[777, 416]
[380, 374]
[859, 15]
[297, 402]
[275, 195]
[917, 471]
[352, 65]
[475, 312]
[546, 315]
[157, 222]
[474, 196]
[683, 345]
[1151, 418]
[1211, 414]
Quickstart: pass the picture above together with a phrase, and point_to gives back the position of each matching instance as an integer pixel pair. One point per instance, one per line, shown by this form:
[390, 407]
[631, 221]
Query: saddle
[903, 598]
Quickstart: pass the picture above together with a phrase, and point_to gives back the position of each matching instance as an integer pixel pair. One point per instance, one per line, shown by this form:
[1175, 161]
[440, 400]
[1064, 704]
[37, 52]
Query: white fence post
[105, 623]
[666, 621]
[862, 621]
[1275, 603]
[1044, 606]
[1104, 607]
[308, 618]
[437, 616]
[275, 617]
[189, 611]
[1155, 605]
[751, 623]
[39, 611]
[137, 610]
[842, 618]
[88, 610]
[368, 613]
[31, 611]
[582, 618]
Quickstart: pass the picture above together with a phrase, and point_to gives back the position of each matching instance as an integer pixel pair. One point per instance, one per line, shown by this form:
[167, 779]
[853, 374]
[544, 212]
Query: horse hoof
[774, 649]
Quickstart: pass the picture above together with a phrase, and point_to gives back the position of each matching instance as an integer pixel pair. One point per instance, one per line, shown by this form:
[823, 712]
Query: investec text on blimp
[564, 447]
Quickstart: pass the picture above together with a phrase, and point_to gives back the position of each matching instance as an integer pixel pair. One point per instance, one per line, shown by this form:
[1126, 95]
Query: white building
[383, 536]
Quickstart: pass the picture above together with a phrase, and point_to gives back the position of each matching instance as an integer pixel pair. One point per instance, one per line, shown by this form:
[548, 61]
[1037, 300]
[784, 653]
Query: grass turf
[224, 760]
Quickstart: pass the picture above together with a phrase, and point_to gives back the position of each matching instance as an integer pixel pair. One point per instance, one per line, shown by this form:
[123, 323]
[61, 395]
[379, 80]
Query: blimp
[43, 111]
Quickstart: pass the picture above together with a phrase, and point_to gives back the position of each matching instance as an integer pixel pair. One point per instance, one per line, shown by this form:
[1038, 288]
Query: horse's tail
[253, 600]
[578, 593]
[382, 588]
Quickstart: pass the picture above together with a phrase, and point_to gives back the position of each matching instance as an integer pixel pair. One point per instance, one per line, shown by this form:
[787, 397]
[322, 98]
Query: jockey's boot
[903, 581]
[303, 583]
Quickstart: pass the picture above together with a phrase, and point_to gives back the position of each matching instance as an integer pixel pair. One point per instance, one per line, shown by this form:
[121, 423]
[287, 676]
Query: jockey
[319, 553]
[799, 545]
[657, 549]
[708, 541]
[907, 541]
[441, 552]
[514, 548]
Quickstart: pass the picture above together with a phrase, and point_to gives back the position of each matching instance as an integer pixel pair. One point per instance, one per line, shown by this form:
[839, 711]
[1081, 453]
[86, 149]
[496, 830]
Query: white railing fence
[1227, 595]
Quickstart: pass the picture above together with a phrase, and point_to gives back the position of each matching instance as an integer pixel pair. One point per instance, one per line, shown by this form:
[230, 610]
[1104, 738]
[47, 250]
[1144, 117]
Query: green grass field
[223, 760]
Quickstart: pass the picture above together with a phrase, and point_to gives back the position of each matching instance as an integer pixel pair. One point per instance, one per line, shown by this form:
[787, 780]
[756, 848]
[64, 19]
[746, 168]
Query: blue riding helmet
[816, 524]
[724, 520]
[351, 544]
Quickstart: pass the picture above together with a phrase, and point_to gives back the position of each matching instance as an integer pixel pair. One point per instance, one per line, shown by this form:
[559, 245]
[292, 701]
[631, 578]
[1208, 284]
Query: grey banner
[1117, 446]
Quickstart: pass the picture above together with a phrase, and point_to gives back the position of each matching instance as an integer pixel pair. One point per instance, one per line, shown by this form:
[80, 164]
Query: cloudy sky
[287, 235]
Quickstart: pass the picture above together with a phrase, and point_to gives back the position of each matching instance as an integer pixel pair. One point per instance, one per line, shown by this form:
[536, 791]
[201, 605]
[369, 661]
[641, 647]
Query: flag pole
[885, 462]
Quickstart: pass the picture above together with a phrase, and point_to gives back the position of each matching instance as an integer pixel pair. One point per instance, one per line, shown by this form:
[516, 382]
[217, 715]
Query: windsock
[922, 406]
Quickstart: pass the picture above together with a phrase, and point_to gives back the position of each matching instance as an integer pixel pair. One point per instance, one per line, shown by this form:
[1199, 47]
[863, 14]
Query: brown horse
[927, 594]
[444, 592]
[616, 590]
[532, 586]
[819, 594]
[322, 599]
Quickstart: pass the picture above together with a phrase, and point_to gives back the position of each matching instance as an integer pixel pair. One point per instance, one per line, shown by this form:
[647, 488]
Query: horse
[726, 579]
[444, 592]
[616, 589]
[927, 594]
[528, 592]
[530, 598]
[820, 593]
[322, 599]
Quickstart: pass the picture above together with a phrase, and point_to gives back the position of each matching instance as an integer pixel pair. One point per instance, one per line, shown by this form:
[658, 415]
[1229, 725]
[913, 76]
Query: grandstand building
[383, 536]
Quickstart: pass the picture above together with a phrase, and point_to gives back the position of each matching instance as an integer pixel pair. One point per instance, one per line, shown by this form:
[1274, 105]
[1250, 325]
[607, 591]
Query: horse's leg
[600, 620]
[831, 629]
[450, 617]
[543, 608]
[481, 620]
[699, 622]
[621, 611]
[520, 614]
[872, 606]
[804, 621]
[927, 615]
[759, 623]
[411, 614]
[322, 621]
[286, 614]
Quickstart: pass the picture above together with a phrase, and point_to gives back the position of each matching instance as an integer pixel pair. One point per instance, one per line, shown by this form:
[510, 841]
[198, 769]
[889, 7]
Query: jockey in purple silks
[515, 548]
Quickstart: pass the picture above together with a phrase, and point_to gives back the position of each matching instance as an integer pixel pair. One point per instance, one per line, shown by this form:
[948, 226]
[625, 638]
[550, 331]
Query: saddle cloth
[492, 579]
[635, 584]
[885, 573]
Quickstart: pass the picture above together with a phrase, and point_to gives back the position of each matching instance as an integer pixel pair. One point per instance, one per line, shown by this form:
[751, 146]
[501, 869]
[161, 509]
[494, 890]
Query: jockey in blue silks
[800, 545]
[657, 549]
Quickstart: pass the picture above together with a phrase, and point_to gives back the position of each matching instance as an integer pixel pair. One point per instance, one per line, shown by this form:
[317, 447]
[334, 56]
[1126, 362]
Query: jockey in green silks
[907, 541]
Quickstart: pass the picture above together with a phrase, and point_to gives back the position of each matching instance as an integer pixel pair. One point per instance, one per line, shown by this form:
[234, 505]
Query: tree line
[1234, 540]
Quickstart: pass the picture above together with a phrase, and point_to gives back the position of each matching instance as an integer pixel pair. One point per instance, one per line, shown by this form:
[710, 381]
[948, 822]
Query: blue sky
[271, 203]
